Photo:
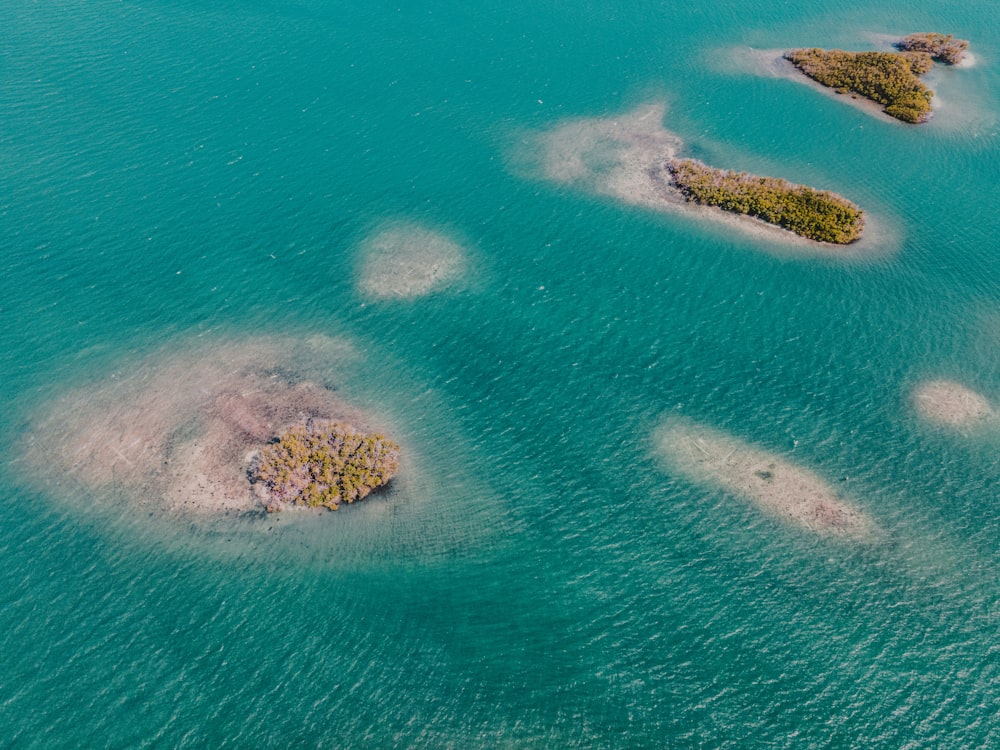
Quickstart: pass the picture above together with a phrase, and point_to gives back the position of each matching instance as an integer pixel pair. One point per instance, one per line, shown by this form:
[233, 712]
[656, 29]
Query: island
[773, 483]
[222, 428]
[943, 48]
[818, 215]
[322, 464]
[891, 79]
[632, 158]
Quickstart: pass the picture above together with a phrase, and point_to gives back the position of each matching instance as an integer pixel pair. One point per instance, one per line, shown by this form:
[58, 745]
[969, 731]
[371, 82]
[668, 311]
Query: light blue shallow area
[175, 169]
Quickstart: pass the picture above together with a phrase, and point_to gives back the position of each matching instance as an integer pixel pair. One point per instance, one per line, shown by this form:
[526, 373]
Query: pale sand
[176, 434]
[405, 260]
[951, 404]
[625, 158]
[776, 486]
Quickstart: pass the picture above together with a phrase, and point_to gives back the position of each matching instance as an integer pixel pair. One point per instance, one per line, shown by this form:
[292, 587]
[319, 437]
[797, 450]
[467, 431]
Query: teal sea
[176, 172]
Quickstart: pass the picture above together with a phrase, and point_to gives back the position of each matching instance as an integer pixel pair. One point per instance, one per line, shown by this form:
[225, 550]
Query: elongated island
[818, 215]
[632, 158]
[891, 79]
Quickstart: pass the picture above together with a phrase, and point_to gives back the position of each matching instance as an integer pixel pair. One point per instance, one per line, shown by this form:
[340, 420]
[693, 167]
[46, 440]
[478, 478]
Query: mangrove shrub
[815, 214]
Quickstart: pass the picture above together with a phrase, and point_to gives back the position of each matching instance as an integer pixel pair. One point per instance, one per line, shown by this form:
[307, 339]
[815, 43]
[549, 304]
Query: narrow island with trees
[818, 215]
[632, 158]
[891, 79]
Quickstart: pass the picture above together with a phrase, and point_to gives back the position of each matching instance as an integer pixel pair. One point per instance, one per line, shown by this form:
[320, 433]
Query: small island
[887, 78]
[220, 429]
[322, 464]
[632, 158]
[817, 215]
[943, 48]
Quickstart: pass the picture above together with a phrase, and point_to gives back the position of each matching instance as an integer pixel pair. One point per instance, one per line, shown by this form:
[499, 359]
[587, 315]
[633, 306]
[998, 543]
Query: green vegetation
[815, 214]
[942, 47]
[324, 464]
[889, 78]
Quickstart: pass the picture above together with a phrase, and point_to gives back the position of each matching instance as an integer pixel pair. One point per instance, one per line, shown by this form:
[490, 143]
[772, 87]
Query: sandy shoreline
[773, 484]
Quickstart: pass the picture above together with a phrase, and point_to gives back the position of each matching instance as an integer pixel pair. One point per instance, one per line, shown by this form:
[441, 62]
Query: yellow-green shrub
[815, 214]
[324, 463]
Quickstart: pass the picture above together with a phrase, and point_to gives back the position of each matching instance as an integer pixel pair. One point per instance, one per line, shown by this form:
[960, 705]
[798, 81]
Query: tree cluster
[324, 464]
[815, 214]
[888, 78]
[942, 47]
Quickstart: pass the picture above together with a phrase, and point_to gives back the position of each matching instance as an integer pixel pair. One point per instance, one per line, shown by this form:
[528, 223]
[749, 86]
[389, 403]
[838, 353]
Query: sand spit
[405, 260]
[625, 158]
[775, 485]
[950, 404]
[176, 433]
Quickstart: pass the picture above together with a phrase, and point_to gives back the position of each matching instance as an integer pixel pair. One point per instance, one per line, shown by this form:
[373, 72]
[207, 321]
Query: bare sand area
[625, 157]
[948, 403]
[774, 484]
[175, 432]
[406, 260]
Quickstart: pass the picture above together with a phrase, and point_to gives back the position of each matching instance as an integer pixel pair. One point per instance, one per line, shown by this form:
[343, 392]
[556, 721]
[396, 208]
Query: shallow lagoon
[178, 170]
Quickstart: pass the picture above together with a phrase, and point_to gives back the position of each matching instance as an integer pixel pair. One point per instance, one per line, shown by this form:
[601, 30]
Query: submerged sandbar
[772, 483]
[405, 260]
[949, 403]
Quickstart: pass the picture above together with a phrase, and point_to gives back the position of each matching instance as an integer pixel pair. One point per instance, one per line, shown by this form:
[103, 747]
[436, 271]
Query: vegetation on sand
[815, 214]
[324, 464]
[888, 78]
[942, 47]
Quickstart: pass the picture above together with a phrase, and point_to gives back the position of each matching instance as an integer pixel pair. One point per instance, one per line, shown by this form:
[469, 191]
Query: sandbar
[948, 403]
[405, 260]
[772, 483]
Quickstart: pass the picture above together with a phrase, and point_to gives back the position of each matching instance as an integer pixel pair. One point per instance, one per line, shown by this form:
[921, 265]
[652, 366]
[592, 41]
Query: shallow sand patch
[775, 485]
[625, 158]
[950, 404]
[176, 433]
[405, 260]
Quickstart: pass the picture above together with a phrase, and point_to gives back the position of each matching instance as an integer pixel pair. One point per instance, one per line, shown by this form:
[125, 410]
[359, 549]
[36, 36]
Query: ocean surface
[177, 171]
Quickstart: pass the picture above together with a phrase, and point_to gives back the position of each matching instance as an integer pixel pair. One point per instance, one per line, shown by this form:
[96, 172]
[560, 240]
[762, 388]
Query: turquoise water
[175, 170]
